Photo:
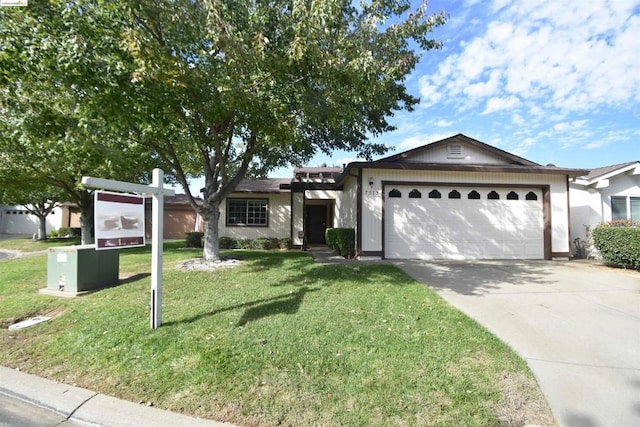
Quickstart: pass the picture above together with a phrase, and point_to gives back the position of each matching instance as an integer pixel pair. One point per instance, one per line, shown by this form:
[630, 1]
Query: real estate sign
[119, 220]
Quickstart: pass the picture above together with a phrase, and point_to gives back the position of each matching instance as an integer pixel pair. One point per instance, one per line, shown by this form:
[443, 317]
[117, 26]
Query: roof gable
[458, 149]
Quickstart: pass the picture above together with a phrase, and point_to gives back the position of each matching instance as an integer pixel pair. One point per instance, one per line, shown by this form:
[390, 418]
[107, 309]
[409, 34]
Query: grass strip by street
[278, 340]
[30, 245]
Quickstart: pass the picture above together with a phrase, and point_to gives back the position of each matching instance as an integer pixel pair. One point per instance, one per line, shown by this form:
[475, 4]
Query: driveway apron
[576, 324]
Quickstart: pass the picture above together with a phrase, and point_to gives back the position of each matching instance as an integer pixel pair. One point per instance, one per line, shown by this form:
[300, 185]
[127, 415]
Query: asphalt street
[15, 413]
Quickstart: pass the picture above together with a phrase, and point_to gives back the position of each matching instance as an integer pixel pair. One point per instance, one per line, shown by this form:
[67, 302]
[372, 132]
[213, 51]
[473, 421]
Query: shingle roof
[269, 185]
[607, 169]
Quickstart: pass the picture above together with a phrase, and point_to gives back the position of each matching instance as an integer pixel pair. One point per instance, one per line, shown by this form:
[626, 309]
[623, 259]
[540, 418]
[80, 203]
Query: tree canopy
[52, 128]
[249, 85]
[227, 88]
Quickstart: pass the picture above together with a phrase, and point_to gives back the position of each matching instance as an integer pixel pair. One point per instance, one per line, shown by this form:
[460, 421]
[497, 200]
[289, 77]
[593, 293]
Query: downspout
[358, 210]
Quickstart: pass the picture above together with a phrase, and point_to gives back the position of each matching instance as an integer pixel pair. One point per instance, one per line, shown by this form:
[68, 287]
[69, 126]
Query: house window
[473, 195]
[531, 196]
[454, 194]
[434, 194]
[395, 193]
[619, 208]
[250, 212]
[512, 195]
[415, 194]
[493, 195]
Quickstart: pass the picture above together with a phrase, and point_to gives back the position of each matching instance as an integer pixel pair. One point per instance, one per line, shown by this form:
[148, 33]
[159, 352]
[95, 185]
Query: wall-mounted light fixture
[370, 181]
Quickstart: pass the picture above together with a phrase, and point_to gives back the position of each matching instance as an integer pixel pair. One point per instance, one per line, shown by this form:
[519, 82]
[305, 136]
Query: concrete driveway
[576, 324]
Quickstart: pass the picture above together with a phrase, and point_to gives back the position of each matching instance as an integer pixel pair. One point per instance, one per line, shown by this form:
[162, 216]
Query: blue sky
[553, 81]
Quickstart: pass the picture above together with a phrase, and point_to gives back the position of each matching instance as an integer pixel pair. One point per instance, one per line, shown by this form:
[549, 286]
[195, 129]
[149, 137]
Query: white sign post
[157, 207]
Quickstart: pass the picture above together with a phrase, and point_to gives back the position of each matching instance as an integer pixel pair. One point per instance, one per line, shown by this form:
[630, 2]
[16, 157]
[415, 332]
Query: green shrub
[342, 240]
[194, 239]
[619, 242]
[329, 234]
[263, 243]
[227, 243]
[69, 232]
[53, 234]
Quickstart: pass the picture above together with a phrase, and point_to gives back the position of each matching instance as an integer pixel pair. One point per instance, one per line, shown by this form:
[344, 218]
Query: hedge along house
[457, 198]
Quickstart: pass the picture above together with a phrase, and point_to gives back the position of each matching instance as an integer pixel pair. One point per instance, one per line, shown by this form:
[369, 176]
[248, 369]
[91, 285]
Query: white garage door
[18, 221]
[444, 222]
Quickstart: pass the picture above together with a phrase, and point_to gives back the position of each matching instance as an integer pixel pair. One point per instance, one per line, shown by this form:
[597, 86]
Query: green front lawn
[27, 244]
[279, 340]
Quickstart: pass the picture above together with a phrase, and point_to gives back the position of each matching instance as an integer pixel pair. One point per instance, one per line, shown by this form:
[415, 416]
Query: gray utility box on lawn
[82, 268]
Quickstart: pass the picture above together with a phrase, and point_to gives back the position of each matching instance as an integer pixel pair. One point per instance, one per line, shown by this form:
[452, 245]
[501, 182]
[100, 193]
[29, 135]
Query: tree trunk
[86, 223]
[42, 227]
[211, 245]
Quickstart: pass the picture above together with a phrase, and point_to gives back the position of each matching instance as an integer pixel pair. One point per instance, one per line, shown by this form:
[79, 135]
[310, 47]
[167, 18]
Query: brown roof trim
[263, 186]
[302, 186]
[463, 139]
[547, 170]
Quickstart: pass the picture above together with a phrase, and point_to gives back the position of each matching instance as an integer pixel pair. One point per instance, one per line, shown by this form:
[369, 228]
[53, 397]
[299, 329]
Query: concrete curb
[88, 407]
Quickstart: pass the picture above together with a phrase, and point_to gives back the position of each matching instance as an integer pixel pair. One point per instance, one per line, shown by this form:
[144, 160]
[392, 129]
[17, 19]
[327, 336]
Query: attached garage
[463, 222]
[460, 198]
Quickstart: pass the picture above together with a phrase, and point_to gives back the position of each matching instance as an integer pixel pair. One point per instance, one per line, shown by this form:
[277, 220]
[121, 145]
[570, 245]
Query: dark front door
[316, 224]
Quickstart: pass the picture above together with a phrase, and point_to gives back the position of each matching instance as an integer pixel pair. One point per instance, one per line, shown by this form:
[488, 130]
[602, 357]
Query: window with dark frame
[473, 195]
[248, 212]
[531, 196]
[493, 195]
[454, 194]
[395, 193]
[512, 195]
[415, 194]
[435, 194]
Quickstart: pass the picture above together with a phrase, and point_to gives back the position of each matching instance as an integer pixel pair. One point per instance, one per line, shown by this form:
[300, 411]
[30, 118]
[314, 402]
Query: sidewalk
[87, 407]
[324, 255]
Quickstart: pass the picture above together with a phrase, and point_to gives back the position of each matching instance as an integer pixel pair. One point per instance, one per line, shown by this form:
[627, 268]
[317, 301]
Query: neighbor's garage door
[444, 222]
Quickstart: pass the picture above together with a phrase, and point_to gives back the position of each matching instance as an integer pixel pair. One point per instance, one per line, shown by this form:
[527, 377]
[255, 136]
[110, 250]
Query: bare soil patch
[200, 264]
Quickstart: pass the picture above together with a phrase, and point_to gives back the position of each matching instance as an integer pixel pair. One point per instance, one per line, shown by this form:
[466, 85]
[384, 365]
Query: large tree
[55, 57]
[226, 88]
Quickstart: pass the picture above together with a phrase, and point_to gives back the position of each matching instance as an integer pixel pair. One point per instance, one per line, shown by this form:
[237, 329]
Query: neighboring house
[457, 198]
[179, 218]
[15, 219]
[604, 194]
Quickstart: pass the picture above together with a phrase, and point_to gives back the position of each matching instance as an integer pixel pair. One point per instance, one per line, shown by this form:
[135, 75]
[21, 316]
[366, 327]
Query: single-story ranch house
[457, 198]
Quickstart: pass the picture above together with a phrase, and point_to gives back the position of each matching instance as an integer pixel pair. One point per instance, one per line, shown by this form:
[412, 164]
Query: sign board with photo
[119, 220]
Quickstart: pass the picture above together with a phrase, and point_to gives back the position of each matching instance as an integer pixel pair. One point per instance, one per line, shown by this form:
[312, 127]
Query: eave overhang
[500, 168]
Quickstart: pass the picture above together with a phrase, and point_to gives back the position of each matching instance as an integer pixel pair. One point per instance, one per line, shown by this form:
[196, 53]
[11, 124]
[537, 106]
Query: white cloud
[570, 126]
[412, 142]
[561, 55]
[429, 92]
[499, 104]
[441, 123]
[420, 140]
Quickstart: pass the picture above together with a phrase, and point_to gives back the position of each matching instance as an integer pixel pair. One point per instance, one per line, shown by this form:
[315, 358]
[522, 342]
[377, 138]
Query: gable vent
[454, 151]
